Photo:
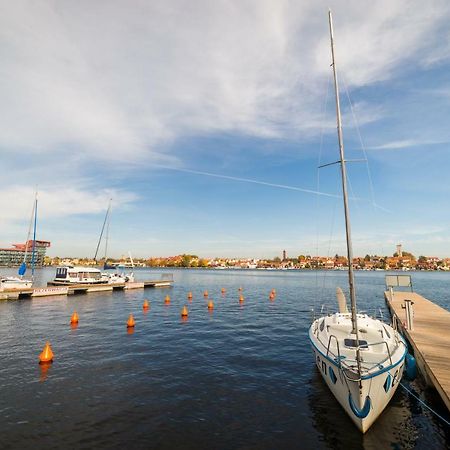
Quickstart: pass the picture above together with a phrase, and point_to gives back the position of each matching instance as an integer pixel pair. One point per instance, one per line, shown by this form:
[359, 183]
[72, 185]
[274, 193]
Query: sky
[205, 123]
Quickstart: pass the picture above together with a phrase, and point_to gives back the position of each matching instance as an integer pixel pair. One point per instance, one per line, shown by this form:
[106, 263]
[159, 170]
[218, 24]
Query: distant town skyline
[206, 125]
[405, 263]
[34, 253]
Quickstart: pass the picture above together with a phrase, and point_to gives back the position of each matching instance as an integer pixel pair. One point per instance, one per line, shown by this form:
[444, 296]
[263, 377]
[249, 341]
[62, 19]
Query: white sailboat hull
[365, 399]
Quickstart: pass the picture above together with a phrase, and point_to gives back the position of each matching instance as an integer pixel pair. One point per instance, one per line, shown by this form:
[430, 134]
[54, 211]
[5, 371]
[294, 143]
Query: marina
[238, 376]
[85, 288]
[210, 262]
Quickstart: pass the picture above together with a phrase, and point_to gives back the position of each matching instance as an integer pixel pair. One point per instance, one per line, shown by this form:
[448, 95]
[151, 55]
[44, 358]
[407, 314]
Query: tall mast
[103, 229]
[23, 266]
[33, 251]
[351, 279]
[107, 236]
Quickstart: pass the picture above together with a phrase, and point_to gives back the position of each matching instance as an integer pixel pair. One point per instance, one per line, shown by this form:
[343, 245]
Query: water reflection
[393, 429]
[239, 377]
[44, 369]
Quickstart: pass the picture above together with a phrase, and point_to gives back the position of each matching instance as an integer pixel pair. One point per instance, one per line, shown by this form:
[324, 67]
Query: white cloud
[117, 80]
[443, 91]
[58, 201]
[402, 144]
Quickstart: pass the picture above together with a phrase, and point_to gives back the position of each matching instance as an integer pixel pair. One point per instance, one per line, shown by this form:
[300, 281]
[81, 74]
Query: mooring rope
[424, 404]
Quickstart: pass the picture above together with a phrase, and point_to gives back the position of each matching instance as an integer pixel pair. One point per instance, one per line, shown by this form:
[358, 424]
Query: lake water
[240, 377]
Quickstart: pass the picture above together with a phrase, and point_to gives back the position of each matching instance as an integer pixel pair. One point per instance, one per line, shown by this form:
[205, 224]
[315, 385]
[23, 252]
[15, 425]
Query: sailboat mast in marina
[105, 223]
[111, 277]
[33, 248]
[19, 282]
[348, 231]
[361, 359]
[33, 220]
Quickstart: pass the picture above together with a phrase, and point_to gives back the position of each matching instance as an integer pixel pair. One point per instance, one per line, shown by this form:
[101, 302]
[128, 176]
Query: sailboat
[8, 283]
[360, 358]
[111, 277]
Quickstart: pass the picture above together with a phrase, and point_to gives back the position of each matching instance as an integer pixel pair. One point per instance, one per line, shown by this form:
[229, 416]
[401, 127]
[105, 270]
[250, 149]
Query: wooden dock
[429, 338]
[53, 289]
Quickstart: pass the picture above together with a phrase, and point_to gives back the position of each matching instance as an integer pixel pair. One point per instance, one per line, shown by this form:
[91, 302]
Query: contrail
[248, 180]
[264, 183]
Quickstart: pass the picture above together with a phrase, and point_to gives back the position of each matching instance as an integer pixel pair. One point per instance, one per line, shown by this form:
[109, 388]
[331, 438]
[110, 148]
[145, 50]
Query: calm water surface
[241, 377]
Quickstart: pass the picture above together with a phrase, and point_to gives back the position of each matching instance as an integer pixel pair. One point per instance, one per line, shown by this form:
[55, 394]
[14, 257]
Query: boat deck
[430, 337]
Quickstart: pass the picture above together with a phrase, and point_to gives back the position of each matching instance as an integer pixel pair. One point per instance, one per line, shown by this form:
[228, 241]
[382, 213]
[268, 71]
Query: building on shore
[14, 256]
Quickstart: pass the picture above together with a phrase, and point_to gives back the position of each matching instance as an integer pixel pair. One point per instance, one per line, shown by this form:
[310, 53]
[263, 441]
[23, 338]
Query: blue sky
[205, 123]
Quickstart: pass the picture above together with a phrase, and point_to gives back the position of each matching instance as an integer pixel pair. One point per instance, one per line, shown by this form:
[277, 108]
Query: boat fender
[411, 367]
[360, 413]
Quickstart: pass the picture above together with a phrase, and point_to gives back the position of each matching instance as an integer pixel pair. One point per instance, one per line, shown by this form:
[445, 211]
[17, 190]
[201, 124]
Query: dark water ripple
[241, 376]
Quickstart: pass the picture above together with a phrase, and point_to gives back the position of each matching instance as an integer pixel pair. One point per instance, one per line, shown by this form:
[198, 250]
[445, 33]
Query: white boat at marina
[78, 275]
[14, 283]
[118, 277]
[363, 368]
[360, 358]
[66, 275]
[121, 277]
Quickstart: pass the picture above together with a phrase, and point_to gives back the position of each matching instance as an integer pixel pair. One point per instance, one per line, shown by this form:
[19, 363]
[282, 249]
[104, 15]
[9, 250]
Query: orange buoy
[184, 312]
[189, 296]
[241, 299]
[167, 300]
[145, 305]
[210, 305]
[74, 318]
[46, 355]
[223, 290]
[130, 322]
[205, 294]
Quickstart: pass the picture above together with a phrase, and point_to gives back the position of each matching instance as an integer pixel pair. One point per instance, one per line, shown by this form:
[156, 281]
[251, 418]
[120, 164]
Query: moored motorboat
[14, 283]
[118, 277]
[66, 275]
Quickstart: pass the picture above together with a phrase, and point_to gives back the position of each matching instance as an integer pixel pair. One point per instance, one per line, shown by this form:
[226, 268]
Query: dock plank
[430, 337]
